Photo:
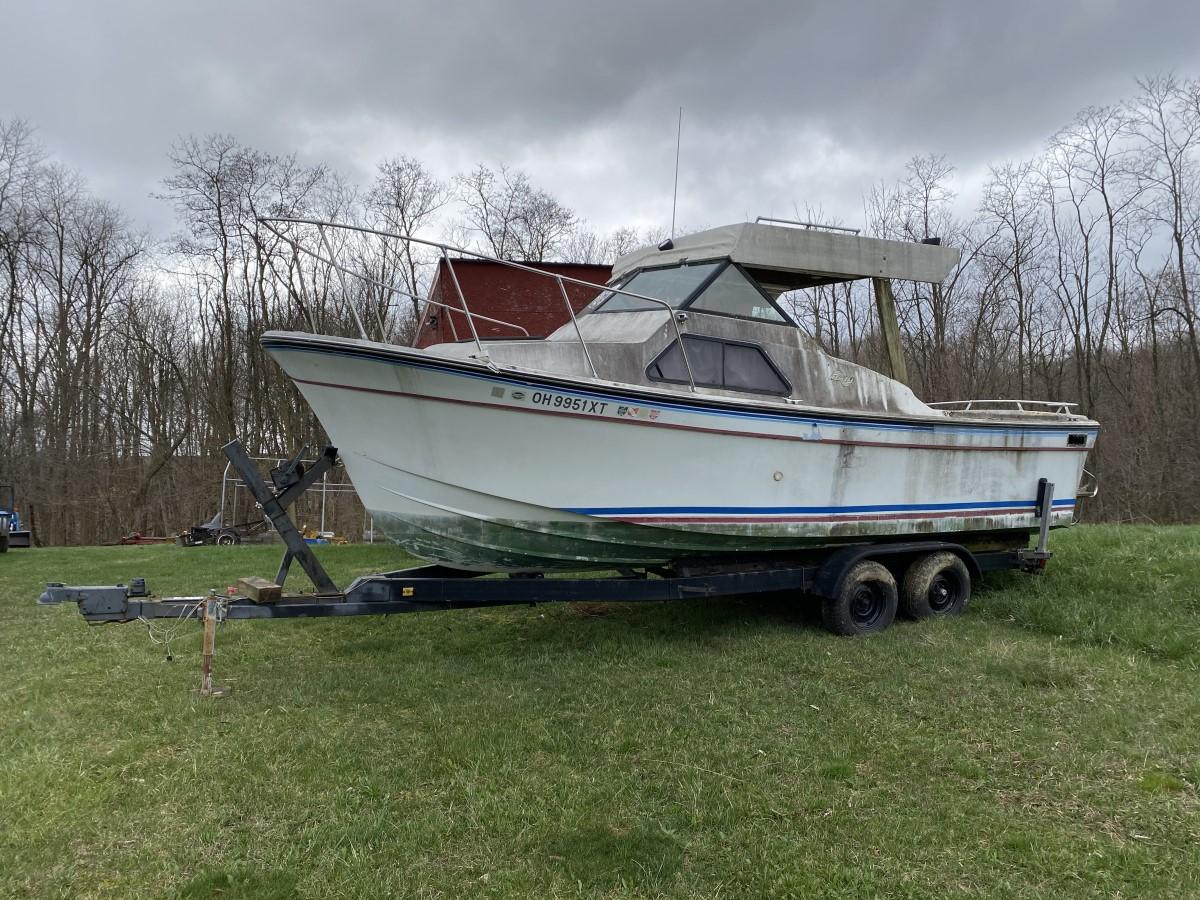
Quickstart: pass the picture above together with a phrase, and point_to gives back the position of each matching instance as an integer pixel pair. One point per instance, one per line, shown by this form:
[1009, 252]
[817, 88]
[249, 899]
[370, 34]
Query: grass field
[1046, 743]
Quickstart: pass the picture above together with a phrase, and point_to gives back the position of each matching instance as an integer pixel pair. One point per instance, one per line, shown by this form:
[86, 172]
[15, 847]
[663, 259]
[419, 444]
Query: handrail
[387, 287]
[808, 224]
[445, 251]
[1060, 406]
[1089, 485]
[342, 281]
[463, 300]
[575, 321]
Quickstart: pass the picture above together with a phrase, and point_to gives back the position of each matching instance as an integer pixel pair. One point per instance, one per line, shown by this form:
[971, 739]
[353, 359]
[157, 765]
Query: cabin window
[673, 285]
[733, 294]
[731, 365]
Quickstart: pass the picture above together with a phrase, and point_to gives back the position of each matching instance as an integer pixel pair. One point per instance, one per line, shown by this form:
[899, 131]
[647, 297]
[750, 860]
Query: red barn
[501, 292]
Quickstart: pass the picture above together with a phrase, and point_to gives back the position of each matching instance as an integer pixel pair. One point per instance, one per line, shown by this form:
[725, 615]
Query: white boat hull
[499, 470]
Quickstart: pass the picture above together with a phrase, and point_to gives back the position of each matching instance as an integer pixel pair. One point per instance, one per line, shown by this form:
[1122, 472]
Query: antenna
[675, 195]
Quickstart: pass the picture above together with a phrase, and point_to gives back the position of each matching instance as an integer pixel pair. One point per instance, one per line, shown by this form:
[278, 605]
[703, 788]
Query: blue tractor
[11, 532]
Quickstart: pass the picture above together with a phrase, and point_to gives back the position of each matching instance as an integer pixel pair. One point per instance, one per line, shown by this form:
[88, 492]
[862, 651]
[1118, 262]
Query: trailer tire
[865, 603]
[228, 538]
[3, 543]
[935, 585]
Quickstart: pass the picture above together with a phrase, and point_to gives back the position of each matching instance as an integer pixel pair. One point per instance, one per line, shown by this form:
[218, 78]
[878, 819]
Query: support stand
[212, 615]
[1036, 559]
[291, 480]
[1045, 508]
[889, 327]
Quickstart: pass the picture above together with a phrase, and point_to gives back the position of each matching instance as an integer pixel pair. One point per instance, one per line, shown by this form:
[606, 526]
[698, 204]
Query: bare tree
[1166, 117]
[407, 198]
[514, 219]
[1011, 207]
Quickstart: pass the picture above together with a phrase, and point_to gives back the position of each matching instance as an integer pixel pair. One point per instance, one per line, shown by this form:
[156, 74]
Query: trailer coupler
[101, 603]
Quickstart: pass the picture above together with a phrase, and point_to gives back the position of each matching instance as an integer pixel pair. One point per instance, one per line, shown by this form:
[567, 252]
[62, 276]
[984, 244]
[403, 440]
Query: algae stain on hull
[599, 543]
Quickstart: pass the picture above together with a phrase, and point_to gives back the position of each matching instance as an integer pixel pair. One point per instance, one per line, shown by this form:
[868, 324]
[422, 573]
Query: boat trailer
[826, 574]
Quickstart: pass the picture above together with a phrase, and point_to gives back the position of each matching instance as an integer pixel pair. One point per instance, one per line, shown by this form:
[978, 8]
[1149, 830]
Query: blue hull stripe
[642, 399]
[805, 510]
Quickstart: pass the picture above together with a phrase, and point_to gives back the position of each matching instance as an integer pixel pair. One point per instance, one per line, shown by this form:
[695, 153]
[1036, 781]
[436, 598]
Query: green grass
[1045, 743]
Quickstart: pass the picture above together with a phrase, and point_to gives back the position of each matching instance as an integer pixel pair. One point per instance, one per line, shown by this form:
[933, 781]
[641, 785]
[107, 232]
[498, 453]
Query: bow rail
[1061, 407]
[445, 249]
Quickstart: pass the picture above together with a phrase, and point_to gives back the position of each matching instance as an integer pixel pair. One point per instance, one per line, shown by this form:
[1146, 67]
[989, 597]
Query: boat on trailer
[681, 416]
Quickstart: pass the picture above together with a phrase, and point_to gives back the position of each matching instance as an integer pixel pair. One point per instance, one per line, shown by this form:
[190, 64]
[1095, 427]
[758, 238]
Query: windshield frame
[612, 292]
[687, 303]
[784, 318]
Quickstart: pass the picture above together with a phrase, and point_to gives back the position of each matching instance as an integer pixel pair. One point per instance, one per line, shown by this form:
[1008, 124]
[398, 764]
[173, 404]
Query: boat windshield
[732, 294]
[673, 285]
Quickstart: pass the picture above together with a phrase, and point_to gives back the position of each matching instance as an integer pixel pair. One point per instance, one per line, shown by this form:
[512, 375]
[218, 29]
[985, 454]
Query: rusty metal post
[889, 326]
[210, 616]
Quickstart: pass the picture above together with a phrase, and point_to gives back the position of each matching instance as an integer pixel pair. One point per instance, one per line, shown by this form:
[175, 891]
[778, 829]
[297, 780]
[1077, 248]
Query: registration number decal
[566, 403]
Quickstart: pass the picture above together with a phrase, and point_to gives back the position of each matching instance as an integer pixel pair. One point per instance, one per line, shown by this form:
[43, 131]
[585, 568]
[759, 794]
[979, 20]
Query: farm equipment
[860, 587]
[137, 539]
[12, 534]
[215, 531]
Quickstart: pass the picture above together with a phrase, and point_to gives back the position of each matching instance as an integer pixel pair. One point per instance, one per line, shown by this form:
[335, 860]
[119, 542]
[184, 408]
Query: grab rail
[445, 250]
[808, 225]
[387, 287]
[1089, 485]
[1058, 406]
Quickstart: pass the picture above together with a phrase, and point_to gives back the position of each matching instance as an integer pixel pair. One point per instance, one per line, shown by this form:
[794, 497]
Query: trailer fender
[832, 572]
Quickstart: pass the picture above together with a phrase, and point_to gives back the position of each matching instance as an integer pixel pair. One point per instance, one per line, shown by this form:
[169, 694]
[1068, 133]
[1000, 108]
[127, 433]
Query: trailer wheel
[3, 543]
[228, 538]
[935, 585]
[865, 603]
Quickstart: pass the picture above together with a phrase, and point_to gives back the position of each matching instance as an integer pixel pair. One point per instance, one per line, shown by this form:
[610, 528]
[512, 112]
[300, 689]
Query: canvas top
[782, 258]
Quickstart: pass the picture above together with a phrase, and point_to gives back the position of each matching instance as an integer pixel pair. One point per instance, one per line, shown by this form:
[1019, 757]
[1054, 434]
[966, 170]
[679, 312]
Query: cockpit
[701, 313]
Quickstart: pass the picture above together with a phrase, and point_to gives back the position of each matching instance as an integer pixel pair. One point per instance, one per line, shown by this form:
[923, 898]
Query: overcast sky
[786, 104]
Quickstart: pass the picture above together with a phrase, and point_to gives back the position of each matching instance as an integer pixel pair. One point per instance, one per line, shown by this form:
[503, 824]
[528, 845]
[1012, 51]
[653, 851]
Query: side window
[719, 364]
[747, 369]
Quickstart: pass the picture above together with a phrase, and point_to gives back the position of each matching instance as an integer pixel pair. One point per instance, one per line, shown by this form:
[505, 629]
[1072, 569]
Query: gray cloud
[786, 104]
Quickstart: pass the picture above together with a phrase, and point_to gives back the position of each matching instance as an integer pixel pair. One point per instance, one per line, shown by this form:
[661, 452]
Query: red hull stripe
[748, 434]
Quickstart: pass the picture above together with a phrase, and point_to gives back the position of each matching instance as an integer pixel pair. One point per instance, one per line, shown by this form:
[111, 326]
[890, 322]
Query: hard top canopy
[782, 258]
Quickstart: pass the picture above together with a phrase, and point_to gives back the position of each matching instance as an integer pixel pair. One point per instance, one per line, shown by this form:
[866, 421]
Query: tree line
[126, 363]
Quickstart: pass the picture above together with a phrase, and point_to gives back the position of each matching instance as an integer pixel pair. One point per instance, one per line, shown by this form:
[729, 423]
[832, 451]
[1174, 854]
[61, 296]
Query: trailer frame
[820, 573]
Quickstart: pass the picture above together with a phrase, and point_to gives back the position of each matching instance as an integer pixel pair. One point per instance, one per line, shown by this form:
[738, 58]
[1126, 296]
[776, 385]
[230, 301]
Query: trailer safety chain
[172, 630]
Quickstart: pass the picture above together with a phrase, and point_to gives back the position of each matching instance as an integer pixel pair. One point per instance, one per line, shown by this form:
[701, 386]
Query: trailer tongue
[860, 586]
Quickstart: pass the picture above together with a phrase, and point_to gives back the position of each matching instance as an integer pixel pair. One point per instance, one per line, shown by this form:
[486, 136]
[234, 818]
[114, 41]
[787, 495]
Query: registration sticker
[638, 412]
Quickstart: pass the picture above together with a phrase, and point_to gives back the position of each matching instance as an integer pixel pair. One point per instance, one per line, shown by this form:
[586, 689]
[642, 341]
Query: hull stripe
[747, 434]
[852, 517]
[448, 368]
[993, 507]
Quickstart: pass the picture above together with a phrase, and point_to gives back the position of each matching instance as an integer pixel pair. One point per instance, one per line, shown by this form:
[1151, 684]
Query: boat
[681, 416]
